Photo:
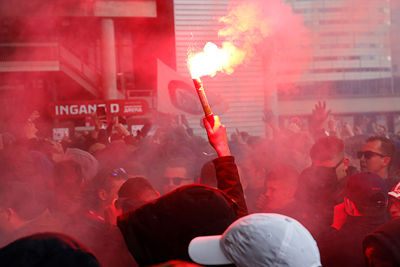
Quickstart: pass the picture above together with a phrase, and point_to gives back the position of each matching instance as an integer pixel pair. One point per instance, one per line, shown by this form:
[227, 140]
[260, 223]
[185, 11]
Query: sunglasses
[368, 154]
[179, 180]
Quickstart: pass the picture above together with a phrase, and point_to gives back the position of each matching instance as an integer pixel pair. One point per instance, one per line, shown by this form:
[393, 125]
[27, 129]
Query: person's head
[177, 173]
[377, 256]
[260, 239]
[365, 194]
[68, 177]
[381, 247]
[68, 181]
[376, 155]
[280, 186]
[47, 249]
[88, 162]
[252, 174]
[329, 152]
[135, 192]
[104, 187]
[208, 174]
[162, 229]
[22, 125]
[19, 203]
[394, 202]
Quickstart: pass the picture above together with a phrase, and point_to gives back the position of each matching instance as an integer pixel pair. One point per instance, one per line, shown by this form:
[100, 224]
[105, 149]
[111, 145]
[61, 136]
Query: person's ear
[117, 204]
[386, 161]
[102, 194]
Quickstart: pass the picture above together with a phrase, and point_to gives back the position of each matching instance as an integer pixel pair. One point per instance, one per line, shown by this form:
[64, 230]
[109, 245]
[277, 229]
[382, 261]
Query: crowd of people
[320, 193]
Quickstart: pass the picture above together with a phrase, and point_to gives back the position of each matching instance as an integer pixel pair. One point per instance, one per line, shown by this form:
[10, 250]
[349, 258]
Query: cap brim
[207, 250]
[393, 194]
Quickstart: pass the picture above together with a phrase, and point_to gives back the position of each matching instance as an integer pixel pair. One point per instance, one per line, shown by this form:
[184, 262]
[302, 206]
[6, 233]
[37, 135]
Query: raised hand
[34, 116]
[217, 136]
[347, 129]
[270, 119]
[121, 129]
[319, 114]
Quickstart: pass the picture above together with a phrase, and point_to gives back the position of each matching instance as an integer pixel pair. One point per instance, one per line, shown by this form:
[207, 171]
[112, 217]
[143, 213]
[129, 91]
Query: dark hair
[181, 162]
[63, 169]
[103, 180]
[326, 148]
[178, 162]
[130, 194]
[208, 174]
[388, 148]
[106, 178]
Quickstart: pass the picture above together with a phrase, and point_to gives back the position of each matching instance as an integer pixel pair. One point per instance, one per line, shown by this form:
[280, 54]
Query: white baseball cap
[260, 239]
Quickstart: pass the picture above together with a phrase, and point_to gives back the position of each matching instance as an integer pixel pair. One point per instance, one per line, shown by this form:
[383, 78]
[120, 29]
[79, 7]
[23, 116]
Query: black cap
[367, 189]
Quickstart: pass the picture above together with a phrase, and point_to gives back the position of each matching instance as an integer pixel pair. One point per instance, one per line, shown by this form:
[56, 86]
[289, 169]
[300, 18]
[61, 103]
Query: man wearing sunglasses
[176, 174]
[376, 156]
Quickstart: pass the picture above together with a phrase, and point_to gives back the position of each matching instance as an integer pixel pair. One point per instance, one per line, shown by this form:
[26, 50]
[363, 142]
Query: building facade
[353, 65]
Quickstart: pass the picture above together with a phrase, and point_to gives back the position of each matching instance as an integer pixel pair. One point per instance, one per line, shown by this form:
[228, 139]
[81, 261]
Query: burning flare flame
[243, 29]
[213, 59]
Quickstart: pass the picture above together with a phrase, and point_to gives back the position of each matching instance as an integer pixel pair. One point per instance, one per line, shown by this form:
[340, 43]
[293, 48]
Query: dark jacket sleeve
[228, 181]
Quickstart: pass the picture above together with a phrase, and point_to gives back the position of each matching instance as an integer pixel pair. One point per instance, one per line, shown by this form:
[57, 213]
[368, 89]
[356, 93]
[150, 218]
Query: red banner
[76, 109]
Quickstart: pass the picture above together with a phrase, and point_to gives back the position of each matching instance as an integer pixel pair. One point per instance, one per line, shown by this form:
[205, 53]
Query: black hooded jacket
[162, 230]
[387, 237]
[317, 194]
[343, 247]
[46, 250]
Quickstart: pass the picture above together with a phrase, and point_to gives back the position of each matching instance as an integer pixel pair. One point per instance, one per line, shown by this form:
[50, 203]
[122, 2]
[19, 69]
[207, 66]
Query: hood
[387, 237]
[162, 229]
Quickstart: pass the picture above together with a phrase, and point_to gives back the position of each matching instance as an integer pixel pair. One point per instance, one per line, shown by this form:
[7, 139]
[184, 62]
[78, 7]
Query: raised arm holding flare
[228, 179]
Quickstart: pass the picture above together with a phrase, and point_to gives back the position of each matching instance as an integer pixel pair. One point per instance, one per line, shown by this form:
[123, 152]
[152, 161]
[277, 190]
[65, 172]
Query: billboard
[78, 109]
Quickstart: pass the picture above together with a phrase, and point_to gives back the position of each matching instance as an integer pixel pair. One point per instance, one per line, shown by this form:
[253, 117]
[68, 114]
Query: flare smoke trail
[255, 26]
